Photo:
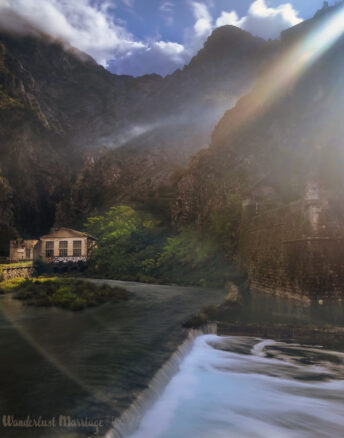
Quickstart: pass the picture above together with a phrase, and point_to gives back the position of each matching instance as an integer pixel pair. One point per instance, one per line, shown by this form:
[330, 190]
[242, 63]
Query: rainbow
[284, 72]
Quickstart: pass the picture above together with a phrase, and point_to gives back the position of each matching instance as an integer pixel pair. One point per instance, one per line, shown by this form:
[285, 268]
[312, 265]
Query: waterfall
[129, 421]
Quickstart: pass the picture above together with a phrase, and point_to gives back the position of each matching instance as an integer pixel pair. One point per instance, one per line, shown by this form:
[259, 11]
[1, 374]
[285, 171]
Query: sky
[139, 37]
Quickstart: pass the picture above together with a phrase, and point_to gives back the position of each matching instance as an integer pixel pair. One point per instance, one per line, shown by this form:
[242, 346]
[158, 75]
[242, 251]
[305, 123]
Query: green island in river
[68, 293]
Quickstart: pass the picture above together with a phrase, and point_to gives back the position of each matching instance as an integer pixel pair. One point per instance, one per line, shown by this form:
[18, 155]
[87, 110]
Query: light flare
[289, 68]
[57, 363]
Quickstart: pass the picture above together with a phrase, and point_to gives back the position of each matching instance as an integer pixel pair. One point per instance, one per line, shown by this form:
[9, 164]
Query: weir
[129, 421]
[246, 386]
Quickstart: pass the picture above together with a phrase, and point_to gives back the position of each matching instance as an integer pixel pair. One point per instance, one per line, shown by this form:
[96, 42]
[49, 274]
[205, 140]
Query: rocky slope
[65, 121]
[281, 159]
[51, 101]
[175, 121]
[270, 155]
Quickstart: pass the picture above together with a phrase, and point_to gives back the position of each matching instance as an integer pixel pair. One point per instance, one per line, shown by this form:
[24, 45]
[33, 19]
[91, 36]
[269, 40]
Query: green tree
[191, 258]
[132, 245]
[128, 243]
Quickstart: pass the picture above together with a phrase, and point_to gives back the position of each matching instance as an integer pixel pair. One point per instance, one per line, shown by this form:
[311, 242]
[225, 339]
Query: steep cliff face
[47, 98]
[273, 154]
[6, 214]
[269, 158]
[59, 108]
[175, 121]
[275, 149]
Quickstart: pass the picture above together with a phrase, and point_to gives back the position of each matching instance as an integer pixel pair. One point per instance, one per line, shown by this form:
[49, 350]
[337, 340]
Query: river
[91, 363]
[96, 363]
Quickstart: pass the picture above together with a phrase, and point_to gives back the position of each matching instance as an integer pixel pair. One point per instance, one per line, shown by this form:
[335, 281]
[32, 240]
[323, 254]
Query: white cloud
[261, 20]
[159, 56]
[166, 6]
[203, 24]
[195, 37]
[229, 18]
[90, 26]
[167, 10]
[129, 3]
[173, 49]
[85, 25]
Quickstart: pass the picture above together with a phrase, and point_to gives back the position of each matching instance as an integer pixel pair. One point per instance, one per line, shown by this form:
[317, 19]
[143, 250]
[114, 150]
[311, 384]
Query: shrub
[66, 292]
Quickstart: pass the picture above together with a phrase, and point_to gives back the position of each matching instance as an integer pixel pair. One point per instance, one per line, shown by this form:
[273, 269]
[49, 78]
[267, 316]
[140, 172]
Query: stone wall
[284, 255]
[10, 272]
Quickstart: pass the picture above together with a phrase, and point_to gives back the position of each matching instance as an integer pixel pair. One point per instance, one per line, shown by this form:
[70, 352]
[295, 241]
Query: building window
[76, 248]
[63, 248]
[27, 253]
[49, 249]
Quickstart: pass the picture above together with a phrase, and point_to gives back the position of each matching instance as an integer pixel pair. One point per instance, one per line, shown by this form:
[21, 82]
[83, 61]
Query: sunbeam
[279, 79]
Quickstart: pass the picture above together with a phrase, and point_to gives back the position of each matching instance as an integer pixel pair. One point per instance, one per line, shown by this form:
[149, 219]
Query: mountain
[280, 156]
[175, 121]
[66, 121]
[52, 101]
[272, 153]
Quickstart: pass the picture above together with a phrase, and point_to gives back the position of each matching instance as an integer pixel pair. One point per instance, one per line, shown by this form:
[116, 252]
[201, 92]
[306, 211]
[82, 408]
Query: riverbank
[246, 313]
[67, 293]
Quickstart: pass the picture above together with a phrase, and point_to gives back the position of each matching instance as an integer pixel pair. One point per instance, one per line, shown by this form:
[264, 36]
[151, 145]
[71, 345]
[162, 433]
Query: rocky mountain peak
[224, 44]
[231, 36]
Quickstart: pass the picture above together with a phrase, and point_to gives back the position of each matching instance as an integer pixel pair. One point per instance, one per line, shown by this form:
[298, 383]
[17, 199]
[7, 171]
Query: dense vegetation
[133, 245]
[6, 213]
[67, 293]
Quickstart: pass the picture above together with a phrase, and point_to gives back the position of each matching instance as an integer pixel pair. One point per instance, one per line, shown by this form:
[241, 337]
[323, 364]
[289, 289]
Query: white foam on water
[130, 419]
[228, 387]
[259, 349]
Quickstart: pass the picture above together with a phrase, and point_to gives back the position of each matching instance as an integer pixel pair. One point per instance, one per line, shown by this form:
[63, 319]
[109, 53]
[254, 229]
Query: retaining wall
[11, 272]
[281, 259]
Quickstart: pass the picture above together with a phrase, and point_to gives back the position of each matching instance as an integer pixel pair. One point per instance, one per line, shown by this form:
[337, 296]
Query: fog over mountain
[61, 112]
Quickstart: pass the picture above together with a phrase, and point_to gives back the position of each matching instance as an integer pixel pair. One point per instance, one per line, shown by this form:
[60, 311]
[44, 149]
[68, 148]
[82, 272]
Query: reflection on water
[264, 308]
[241, 387]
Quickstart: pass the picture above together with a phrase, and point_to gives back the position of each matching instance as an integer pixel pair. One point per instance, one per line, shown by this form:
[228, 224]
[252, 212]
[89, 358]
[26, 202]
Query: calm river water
[93, 364]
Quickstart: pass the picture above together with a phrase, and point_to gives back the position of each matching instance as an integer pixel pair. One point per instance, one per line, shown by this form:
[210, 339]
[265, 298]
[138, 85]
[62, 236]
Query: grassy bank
[68, 293]
[15, 264]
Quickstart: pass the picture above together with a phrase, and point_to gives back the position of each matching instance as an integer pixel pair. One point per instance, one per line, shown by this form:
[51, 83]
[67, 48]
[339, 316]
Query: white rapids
[240, 387]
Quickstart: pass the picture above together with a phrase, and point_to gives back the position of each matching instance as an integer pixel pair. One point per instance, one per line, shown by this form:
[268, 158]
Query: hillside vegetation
[133, 245]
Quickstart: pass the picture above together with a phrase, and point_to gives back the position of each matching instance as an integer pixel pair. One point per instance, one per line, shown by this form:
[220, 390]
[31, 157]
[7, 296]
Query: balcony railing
[68, 259]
